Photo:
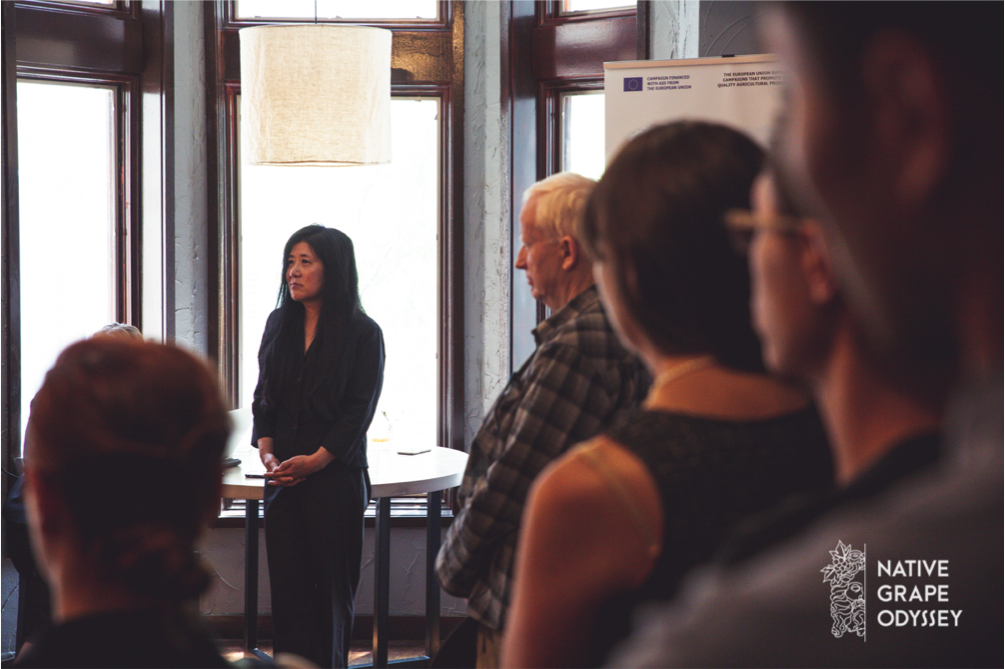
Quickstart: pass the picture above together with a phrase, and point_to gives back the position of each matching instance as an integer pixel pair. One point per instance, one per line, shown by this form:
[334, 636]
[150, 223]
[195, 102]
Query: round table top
[391, 474]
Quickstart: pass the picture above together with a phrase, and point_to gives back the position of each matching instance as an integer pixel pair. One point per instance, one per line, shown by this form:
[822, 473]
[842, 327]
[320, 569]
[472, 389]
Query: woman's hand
[296, 469]
[270, 461]
[265, 447]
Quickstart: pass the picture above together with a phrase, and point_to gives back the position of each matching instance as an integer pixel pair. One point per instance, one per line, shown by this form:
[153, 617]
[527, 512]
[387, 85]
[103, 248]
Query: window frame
[550, 120]
[427, 60]
[567, 54]
[76, 44]
[441, 22]
[125, 229]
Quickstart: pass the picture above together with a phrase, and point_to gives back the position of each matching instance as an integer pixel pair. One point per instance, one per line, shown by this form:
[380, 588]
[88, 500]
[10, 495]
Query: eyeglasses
[742, 224]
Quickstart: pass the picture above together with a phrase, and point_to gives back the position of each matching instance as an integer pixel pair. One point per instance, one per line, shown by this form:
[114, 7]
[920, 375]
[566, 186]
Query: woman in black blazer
[321, 366]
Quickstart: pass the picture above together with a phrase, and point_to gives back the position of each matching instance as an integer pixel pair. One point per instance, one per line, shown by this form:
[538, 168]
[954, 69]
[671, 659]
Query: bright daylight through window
[385, 10]
[582, 133]
[391, 213]
[66, 153]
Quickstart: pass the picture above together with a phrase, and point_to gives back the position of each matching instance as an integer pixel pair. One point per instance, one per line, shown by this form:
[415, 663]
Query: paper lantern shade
[316, 95]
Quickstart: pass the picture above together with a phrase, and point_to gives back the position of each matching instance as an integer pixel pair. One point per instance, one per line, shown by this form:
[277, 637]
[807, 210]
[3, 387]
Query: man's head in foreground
[893, 138]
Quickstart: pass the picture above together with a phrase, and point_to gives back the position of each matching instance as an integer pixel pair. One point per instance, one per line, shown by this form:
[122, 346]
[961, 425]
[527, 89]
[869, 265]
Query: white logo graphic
[847, 589]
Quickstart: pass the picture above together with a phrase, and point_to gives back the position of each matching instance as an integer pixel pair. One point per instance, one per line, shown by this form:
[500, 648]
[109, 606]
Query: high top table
[391, 475]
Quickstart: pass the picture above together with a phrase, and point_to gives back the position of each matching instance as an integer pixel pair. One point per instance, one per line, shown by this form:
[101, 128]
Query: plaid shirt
[579, 381]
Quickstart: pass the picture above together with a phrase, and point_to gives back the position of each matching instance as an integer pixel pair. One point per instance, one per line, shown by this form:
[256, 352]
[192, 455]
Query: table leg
[432, 584]
[251, 579]
[382, 581]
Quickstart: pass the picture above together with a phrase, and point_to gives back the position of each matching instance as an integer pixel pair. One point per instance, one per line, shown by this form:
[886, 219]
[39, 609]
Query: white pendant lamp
[316, 95]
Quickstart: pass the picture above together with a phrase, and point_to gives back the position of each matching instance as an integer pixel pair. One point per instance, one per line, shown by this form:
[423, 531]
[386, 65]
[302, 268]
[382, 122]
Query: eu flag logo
[633, 83]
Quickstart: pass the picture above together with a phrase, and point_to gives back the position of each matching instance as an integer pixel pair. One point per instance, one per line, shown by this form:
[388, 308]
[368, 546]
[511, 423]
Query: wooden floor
[359, 654]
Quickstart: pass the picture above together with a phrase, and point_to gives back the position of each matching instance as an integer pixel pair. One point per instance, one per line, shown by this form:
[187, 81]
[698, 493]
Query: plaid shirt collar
[577, 305]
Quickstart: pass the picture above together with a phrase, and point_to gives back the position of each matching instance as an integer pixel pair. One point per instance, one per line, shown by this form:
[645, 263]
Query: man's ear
[910, 103]
[816, 264]
[571, 252]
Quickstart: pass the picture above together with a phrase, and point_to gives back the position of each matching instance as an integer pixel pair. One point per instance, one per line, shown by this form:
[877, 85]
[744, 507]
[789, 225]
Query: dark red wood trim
[120, 9]
[452, 307]
[76, 40]
[643, 12]
[221, 129]
[122, 223]
[10, 313]
[133, 207]
[126, 234]
[581, 48]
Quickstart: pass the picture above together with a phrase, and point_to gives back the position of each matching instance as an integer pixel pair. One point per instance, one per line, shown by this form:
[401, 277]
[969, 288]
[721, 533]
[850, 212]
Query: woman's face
[305, 275]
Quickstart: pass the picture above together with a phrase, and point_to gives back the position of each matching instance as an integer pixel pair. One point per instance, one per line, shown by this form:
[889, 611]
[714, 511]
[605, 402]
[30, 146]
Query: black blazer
[294, 427]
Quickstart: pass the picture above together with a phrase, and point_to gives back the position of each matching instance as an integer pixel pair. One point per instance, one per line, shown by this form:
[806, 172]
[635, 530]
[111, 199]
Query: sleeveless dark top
[710, 474]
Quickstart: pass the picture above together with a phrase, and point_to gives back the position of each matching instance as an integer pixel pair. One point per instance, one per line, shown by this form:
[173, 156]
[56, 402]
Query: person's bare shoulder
[598, 511]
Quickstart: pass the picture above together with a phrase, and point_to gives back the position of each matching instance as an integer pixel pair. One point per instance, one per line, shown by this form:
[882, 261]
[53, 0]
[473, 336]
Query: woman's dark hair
[340, 307]
[130, 435]
[657, 212]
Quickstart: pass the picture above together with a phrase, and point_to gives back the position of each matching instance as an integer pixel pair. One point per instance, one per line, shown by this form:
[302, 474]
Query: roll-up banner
[742, 91]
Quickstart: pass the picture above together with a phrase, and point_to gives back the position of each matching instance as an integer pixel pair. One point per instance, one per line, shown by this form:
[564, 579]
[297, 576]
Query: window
[385, 10]
[581, 133]
[576, 6]
[391, 213]
[557, 108]
[66, 136]
[72, 248]
[404, 218]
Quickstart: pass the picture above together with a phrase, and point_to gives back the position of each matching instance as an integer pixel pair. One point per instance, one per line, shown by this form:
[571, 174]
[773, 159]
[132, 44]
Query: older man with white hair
[578, 381]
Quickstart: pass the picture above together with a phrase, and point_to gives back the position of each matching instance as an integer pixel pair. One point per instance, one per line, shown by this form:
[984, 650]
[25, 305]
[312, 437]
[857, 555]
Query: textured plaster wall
[703, 28]
[486, 213]
[728, 28]
[673, 29]
[187, 304]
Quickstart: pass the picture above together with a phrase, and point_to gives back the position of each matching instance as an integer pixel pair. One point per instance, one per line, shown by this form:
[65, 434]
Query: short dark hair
[658, 210]
[131, 434]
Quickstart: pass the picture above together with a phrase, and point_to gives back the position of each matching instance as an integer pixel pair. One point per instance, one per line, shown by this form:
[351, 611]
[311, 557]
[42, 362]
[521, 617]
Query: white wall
[223, 552]
[486, 213]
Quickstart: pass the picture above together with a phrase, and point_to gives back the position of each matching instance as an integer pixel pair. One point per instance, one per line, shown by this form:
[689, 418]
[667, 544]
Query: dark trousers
[314, 541]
